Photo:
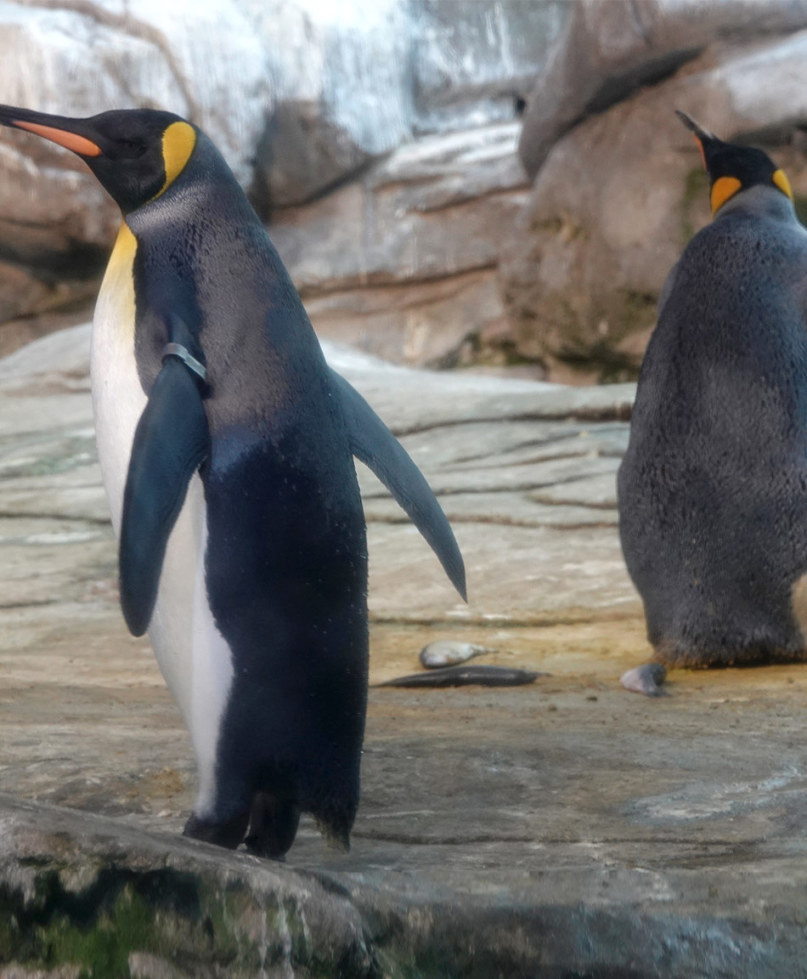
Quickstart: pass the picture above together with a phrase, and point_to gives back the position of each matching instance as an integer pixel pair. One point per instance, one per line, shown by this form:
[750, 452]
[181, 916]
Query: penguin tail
[335, 824]
[338, 838]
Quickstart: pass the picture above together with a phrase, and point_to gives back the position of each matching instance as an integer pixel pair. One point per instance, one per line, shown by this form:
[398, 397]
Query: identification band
[187, 358]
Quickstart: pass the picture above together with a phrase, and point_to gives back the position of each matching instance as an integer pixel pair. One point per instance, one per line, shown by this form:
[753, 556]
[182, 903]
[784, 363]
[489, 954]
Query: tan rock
[620, 195]
[511, 830]
[402, 262]
[609, 50]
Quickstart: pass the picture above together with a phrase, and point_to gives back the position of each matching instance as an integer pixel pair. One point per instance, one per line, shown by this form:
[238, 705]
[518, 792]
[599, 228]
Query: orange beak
[58, 129]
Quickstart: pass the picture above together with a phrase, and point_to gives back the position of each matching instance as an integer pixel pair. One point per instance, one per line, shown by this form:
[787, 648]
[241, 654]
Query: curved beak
[73, 134]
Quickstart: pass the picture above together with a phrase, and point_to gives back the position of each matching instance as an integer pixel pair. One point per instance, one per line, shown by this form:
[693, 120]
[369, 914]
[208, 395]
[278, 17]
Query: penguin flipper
[171, 440]
[375, 445]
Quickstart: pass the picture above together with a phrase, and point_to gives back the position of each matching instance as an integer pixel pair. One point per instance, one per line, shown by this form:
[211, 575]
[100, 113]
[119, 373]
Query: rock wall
[421, 216]
[618, 183]
[77, 58]
[402, 261]
[303, 97]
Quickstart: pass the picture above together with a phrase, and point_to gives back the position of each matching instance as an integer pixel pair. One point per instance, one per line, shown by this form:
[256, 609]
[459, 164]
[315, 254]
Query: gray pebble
[646, 679]
[449, 652]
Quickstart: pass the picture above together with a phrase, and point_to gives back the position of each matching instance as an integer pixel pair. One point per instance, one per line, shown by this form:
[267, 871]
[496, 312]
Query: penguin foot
[228, 833]
[273, 825]
[646, 679]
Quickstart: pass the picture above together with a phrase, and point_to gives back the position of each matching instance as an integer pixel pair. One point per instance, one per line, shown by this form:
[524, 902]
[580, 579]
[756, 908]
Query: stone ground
[564, 829]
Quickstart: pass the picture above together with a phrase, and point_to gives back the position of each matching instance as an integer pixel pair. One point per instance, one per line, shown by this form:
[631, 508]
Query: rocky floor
[567, 828]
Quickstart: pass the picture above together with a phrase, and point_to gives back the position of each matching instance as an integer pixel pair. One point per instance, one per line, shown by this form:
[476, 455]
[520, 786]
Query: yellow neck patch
[781, 181]
[179, 140]
[726, 187]
[722, 189]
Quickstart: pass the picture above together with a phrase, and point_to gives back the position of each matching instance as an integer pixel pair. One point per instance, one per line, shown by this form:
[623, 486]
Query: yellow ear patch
[722, 189]
[781, 181]
[179, 140]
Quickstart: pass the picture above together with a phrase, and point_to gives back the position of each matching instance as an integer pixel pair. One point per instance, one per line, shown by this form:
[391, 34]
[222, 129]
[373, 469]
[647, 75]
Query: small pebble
[449, 652]
[646, 679]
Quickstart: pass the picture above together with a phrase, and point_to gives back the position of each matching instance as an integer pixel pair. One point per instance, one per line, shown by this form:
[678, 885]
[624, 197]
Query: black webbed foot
[273, 822]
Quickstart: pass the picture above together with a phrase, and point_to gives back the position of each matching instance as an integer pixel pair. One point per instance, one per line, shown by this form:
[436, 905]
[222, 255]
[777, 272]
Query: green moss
[559, 226]
[163, 913]
[102, 950]
[203, 930]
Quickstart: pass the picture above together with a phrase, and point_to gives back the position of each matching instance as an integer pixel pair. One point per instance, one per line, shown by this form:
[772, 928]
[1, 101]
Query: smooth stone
[646, 679]
[449, 652]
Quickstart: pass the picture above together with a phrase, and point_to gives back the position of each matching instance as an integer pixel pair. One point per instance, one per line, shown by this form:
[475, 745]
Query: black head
[135, 153]
[733, 168]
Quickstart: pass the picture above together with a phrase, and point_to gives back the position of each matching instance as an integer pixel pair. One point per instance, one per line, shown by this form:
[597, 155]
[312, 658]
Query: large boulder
[300, 97]
[474, 63]
[402, 263]
[380, 137]
[341, 92]
[609, 50]
[56, 222]
[356, 81]
[619, 196]
[546, 830]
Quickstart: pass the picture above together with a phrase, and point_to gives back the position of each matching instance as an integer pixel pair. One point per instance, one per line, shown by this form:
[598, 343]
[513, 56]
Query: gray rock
[342, 92]
[495, 450]
[167, 908]
[402, 262]
[203, 63]
[487, 892]
[301, 100]
[474, 63]
[646, 679]
[355, 83]
[395, 123]
[609, 50]
[79, 59]
[543, 830]
[302, 154]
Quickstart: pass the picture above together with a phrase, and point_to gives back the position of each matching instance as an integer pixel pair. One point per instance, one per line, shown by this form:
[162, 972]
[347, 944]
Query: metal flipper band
[177, 350]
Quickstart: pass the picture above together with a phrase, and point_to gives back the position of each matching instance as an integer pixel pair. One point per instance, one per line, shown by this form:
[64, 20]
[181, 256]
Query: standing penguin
[226, 447]
[713, 487]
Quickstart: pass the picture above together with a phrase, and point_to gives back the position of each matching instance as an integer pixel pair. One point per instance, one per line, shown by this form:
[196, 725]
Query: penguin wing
[375, 445]
[171, 440]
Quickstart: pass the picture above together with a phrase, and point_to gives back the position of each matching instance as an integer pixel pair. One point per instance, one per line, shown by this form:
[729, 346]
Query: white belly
[192, 654]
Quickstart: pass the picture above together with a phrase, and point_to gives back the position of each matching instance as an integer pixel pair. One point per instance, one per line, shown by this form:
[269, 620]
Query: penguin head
[734, 168]
[136, 154]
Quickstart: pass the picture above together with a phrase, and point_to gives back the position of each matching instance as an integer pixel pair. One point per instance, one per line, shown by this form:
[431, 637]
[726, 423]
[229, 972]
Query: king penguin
[226, 446]
[713, 488]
